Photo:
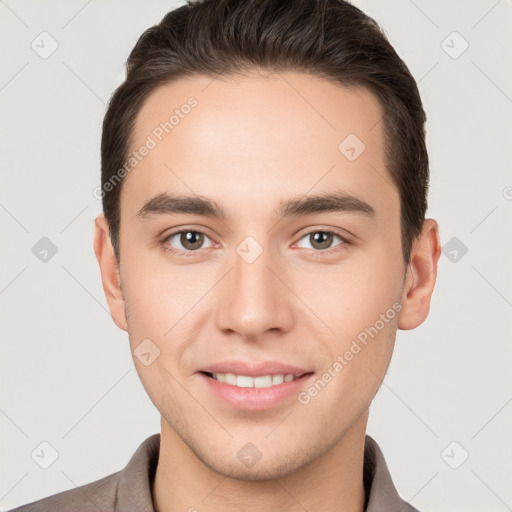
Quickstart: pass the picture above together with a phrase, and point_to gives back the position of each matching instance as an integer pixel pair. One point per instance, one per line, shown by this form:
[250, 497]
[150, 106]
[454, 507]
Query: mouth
[254, 393]
[260, 381]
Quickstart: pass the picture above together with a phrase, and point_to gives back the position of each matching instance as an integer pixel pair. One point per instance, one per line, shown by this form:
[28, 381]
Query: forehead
[258, 135]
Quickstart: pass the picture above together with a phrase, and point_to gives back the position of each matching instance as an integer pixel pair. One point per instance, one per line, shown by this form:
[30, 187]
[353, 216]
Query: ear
[421, 276]
[109, 269]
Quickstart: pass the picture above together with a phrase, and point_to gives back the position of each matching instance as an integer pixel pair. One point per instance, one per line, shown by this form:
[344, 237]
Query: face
[282, 284]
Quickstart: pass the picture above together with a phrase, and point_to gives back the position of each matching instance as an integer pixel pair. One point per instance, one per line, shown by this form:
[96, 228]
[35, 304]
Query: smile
[258, 393]
[246, 381]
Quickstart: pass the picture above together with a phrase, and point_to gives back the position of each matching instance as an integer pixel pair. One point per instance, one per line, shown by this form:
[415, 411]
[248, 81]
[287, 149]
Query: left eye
[322, 240]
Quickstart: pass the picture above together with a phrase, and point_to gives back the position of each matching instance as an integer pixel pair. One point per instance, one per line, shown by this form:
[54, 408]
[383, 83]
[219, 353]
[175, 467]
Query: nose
[254, 297]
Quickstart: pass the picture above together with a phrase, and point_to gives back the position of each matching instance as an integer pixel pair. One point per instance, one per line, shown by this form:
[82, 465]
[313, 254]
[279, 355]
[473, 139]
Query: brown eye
[190, 240]
[322, 240]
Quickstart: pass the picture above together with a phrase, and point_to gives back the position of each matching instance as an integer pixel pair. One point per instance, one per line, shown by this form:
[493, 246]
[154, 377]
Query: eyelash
[187, 254]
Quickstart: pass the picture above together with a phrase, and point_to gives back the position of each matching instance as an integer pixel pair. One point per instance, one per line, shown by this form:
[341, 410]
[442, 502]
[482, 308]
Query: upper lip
[254, 369]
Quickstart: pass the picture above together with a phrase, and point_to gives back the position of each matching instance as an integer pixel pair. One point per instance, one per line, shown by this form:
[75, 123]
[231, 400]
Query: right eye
[191, 241]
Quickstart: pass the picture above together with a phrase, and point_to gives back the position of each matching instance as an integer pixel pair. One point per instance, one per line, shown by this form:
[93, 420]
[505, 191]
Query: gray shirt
[130, 489]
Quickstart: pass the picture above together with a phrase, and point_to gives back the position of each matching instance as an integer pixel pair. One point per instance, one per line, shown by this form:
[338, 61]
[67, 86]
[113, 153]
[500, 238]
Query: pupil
[322, 238]
[188, 238]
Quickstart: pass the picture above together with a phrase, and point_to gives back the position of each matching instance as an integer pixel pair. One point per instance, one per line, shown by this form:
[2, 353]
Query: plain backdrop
[443, 415]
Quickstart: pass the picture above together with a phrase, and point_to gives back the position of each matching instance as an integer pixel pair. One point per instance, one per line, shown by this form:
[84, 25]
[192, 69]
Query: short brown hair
[331, 39]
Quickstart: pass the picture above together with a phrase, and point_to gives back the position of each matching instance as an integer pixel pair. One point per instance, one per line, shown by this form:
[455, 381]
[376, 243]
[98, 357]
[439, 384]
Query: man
[264, 185]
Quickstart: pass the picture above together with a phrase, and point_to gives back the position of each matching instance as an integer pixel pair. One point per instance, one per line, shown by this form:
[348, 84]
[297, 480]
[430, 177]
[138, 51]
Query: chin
[261, 471]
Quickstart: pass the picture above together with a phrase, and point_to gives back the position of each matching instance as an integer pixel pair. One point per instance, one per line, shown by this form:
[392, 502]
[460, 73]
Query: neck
[331, 482]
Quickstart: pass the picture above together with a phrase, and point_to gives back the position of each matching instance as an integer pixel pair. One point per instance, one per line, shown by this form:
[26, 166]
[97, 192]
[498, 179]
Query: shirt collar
[136, 480]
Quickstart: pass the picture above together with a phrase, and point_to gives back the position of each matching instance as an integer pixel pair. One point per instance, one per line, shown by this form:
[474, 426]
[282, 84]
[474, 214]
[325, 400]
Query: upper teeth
[263, 381]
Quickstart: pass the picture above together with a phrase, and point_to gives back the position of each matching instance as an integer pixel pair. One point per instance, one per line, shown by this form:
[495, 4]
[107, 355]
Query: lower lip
[255, 399]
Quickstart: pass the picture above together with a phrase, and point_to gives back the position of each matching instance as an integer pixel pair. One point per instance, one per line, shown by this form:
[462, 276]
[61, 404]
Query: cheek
[353, 370]
[366, 325]
[359, 302]
[157, 294]
[147, 309]
[349, 298]
[163, 304]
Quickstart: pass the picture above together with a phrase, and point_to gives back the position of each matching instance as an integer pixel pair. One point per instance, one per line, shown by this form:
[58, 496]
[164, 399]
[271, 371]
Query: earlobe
[109, 269]
[421, 276]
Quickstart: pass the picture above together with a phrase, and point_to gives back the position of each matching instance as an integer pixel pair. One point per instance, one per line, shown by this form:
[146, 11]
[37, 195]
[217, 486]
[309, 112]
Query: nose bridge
[253, 299]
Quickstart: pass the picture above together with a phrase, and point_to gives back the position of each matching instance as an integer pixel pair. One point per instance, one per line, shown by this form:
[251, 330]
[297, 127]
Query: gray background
[67, 376]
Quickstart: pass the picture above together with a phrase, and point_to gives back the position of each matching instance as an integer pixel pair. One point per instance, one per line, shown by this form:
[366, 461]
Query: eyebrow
[170, 204]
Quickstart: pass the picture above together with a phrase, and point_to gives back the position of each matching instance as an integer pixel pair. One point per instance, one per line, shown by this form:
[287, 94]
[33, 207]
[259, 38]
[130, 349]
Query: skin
[251, 142]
